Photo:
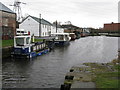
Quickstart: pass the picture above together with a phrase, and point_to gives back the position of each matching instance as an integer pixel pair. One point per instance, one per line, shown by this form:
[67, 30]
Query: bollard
[65, 87]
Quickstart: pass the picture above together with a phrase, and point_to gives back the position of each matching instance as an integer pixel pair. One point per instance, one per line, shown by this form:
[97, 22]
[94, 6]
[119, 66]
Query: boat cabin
[61, 39]
[22, 41]
[61, 36]
[72, 35]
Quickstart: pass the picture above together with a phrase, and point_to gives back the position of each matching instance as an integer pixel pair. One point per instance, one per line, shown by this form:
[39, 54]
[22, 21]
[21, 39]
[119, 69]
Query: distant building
[69, 28]
[112, 27]
[7, 22]
[36, 26]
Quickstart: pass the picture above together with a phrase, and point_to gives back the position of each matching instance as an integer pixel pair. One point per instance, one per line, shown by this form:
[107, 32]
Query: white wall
[30, 25]
[45, 30]
[53, 29]
[33, 26]
[59, 30]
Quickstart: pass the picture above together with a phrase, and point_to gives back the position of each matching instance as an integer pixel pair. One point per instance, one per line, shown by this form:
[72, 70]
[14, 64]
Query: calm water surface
[48, 71]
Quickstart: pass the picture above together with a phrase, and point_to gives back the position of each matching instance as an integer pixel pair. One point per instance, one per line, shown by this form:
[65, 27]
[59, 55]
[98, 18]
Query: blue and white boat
[23, 48]
[61, 39]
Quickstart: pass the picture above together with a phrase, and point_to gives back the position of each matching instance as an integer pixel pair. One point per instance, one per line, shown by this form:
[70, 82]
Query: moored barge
[24, 48]
[61, 39]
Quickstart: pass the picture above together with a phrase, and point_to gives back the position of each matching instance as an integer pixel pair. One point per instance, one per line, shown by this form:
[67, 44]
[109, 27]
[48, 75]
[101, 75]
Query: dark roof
[70, 26]
[5, 8]
[43, 21]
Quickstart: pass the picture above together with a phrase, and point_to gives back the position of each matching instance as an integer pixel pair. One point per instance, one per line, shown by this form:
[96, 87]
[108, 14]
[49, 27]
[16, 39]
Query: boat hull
[37, 49]
[29, 55]
[62, 43]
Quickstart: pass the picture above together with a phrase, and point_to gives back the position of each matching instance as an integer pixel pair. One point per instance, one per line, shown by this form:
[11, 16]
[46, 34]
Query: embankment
[6, 51]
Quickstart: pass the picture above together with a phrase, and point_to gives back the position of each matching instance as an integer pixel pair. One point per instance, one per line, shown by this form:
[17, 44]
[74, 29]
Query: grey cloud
[78, 11]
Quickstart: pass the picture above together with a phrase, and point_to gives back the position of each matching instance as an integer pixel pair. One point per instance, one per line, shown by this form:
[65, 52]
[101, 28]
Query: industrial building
[112, 27]
[7, 22]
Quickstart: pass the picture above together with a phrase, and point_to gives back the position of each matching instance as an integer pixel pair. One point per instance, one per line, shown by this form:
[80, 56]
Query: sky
[82, 13]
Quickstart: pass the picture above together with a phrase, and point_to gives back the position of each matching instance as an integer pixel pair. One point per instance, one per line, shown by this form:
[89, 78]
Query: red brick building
[113, 27]
[7, 22]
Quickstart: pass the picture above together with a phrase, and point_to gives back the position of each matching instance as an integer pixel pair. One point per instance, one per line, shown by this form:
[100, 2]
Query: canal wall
[6, 51]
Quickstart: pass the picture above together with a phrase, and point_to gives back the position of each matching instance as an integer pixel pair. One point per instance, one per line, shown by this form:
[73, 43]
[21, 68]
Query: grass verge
[6, 43]
[108, 79]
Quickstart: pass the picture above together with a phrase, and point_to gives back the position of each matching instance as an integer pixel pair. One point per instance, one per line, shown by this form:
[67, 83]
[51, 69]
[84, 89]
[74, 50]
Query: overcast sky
[82, 13]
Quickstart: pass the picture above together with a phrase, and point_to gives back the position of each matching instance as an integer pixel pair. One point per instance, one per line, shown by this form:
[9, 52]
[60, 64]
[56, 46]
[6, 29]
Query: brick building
[112, 27]
[7, 22]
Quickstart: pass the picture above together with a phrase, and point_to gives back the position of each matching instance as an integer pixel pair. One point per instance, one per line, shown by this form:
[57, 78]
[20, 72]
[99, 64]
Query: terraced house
[36, 26]
[7, 22]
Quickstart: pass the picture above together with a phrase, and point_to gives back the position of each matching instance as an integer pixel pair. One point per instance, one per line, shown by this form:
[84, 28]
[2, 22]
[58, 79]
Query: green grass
[104, 78]
[38, 40]
[107, 80]
[117, 67]
[6, 43]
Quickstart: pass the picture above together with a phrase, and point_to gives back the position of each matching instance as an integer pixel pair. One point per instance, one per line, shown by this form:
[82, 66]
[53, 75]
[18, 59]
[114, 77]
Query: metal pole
[56, 26]
[40, 25]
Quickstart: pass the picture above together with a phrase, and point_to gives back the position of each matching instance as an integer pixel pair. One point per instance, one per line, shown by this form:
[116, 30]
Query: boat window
[20, 41]
[60, 37]
[66, 37]
[56, 38]
[27, 40]
[20, 31]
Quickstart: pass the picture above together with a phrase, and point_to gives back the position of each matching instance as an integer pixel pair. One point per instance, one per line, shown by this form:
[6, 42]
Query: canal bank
[93, 75]
[48, 71]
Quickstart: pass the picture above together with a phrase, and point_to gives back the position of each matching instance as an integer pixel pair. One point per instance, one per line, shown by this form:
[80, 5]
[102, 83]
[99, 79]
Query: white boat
[23, 48]
[61, 39]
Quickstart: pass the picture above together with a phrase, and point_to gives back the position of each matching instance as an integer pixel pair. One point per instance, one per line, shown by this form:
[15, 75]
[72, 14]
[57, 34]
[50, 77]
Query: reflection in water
[48, 71]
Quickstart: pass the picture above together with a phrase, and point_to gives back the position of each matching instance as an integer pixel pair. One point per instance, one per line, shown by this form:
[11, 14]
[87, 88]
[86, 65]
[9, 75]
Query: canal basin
[48, 71]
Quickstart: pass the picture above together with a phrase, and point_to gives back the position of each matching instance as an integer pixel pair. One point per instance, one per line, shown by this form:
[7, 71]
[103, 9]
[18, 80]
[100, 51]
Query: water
[48, 71]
